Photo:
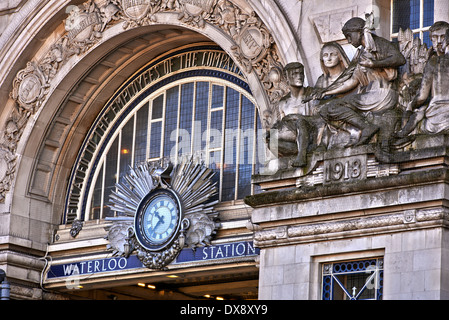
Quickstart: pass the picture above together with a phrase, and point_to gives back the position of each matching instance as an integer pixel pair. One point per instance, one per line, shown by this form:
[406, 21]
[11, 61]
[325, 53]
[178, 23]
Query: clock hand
[161, 220]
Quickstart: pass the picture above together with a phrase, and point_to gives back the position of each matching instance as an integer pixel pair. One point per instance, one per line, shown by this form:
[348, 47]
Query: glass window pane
[215, 165]
[428, 7]
[140, 146]
[217, 96]
[216, 129]
[414, 14]
[231, 136]
[405, 15]
[201, 112]
[110, 176]
[261, 156]
[155, 139]
[126, 148]
[246, 148]
[158, 107]
[185, 119]
[96, 197]
[353, 280]
[230, 113]
[426, 39]
[171, 121]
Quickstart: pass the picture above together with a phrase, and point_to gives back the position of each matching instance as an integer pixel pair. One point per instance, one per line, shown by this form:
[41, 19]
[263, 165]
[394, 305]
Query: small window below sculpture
[353, 280]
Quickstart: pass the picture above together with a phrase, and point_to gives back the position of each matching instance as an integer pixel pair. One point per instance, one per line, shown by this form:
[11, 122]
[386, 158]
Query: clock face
[157, 219]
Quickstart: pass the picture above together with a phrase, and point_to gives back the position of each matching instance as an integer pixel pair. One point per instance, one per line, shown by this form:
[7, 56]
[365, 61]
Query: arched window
[206, 111]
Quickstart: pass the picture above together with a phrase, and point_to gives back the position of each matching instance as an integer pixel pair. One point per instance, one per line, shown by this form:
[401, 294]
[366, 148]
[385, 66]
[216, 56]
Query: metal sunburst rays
[137, 184]
[190, 179]
[193, 183]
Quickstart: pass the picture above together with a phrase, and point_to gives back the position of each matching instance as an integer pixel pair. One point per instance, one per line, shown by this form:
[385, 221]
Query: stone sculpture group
[385, 96]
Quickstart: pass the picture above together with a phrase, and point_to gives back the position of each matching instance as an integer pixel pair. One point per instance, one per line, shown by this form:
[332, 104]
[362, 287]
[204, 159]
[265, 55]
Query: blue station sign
[209, 253]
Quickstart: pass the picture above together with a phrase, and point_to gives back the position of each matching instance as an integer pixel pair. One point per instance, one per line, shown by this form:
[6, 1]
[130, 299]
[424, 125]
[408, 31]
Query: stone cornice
[352, 227]
[344, 188]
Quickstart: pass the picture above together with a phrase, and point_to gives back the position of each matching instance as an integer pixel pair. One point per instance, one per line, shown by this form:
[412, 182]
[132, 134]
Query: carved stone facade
[355, 128]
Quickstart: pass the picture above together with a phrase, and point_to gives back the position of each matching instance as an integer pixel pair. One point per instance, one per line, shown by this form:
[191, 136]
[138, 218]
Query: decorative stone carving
[83, 26]
[409, 216]
[191, 182]
[342, 168]
[7, 170]
[356, 227]
[328, 25]
[363, 102]
[296, 132]
[196, 12]
[29, 87]
[77, 226]
[254, 48]
[434, 116]
[374, 70]
[253, 43]
[139, 13]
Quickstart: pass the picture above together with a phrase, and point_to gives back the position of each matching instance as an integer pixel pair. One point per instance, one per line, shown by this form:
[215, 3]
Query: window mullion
[209, 117]
[421, 17]
[164, 109]
[133, 143]
[193, 133]
[253, 165]
[150, 108]
[238, 146]
[119, 149]
[178, 124]
[223, 136]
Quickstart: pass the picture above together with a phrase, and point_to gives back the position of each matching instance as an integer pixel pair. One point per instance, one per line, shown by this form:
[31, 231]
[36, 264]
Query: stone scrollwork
[83, 26]
[196, 13]
[29, 87]
[86, 23]
[77, 226]
[7, 170]
[139, 13]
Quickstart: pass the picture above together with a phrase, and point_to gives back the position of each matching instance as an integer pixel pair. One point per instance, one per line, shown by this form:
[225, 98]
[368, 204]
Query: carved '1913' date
[345, 169]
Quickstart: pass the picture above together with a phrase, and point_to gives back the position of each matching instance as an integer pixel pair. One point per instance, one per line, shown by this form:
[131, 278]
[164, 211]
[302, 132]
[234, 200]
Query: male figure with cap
[369, 82]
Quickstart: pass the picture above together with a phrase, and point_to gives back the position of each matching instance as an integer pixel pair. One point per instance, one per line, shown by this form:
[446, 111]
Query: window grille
[353, 280]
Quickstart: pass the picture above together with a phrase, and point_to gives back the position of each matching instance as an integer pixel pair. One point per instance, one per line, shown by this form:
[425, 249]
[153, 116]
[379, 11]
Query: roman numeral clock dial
[158, 219]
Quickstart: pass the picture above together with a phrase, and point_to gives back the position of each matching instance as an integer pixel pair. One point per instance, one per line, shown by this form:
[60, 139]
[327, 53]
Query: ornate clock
[162, 209]
[158, 219]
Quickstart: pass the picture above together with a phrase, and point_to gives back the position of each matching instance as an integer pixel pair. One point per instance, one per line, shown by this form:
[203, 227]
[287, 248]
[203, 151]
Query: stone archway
[90, 28]
[57, 77]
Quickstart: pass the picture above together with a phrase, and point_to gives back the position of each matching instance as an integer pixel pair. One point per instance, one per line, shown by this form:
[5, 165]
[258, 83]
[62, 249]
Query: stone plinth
[352, 206]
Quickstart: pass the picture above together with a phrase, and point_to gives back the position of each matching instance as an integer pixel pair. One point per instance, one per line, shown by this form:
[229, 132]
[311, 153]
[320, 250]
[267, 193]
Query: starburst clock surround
[161, 209]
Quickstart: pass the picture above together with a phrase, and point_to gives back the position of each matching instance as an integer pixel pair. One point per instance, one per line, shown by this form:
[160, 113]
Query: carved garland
[254, 49]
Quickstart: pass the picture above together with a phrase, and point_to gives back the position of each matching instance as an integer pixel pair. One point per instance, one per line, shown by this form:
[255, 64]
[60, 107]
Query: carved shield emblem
[29, 89]
[135, 9]
[253, 43]
[197, 7]
[81, 25]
